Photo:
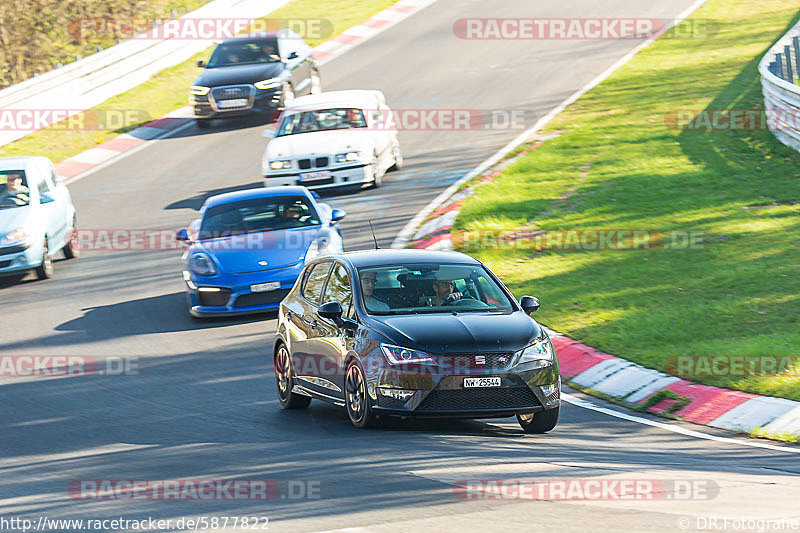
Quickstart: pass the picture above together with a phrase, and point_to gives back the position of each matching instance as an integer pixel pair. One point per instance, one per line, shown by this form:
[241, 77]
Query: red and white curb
[627, 382]
[93, 159]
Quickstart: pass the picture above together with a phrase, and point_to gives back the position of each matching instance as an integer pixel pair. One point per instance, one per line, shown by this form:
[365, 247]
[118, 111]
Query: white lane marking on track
[578, 402]
[405, 234]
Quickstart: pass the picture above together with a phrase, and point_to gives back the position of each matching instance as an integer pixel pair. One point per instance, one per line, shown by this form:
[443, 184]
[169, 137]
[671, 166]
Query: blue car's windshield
[257, 215]
[245, 53]
[431, 288]
[13, 189]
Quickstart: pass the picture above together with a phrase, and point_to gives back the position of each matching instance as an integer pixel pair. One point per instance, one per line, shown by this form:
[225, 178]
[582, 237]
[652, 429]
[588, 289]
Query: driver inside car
[14, 191]
[445, 292]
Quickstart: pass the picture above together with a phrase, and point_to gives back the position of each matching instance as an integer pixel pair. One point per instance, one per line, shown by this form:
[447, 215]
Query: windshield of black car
[13, 189]
[321, 120]
[431, 288]
[257, 215]
[245, 53]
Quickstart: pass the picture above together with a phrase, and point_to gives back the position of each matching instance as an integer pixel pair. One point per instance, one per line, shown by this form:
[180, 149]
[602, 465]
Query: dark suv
[253, 75]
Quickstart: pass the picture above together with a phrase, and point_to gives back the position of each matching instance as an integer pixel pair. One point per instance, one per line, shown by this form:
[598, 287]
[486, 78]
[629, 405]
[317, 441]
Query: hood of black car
[461, 333]
[238, 74]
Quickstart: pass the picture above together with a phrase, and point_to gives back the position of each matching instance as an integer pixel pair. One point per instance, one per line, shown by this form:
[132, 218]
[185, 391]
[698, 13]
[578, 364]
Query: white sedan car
[37, 218]
[334, 139]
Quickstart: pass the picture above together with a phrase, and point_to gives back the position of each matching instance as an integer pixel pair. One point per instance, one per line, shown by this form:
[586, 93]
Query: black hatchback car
[254, 75]
[417, 334]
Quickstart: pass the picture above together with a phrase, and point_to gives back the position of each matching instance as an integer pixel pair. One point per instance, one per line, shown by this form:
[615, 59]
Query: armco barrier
[780, 74]
[88, 82]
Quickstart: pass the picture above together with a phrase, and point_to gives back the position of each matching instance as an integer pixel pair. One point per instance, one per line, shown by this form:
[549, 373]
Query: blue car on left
[248, 247]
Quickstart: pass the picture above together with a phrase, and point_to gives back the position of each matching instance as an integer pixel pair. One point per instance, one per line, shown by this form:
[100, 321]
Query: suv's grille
[214, 298]
[261, 298]
[468, 399]
[230, 93]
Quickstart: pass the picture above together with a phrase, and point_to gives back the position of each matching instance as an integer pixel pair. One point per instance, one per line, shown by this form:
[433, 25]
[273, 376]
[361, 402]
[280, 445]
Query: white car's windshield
[431, 288]
[321, 120]
[13, 189]
[257, 215]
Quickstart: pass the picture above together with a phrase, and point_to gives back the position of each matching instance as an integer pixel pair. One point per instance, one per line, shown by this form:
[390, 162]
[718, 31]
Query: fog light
[397, 394]
[209, 289]
[547, 390]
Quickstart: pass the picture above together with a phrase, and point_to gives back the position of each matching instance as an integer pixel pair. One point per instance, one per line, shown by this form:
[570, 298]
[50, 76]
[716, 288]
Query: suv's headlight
[540, 352]
[199, 90]
[398, 355]
[277, 165]
[347, 156]
[15, 236]
[268, 84]
[202, 265]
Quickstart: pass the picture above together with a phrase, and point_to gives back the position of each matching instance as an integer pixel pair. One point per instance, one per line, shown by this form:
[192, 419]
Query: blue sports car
[248, 248]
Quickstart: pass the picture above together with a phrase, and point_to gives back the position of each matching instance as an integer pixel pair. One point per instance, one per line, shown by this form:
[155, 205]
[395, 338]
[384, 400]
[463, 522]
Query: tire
[287, 95]
[203, 123]
[45, 270]
[377, 178]
[316, 82]
[398, 158]
[283, 379]
[357, 402]
[540, 422]
[71, 248]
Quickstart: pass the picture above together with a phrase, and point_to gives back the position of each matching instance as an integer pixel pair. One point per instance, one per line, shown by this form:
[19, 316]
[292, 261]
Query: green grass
[169, 89]
[618, 166]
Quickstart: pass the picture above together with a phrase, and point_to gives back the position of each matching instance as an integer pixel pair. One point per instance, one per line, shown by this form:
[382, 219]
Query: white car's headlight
[199, 90]
[202, 265]
[540, 352]
[15, 236]
[348, 156]
[277, 165]
[268, 84]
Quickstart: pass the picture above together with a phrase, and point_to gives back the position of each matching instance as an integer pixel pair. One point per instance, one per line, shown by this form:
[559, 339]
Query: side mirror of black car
[529, 304]
[201, 64]
[333, 311]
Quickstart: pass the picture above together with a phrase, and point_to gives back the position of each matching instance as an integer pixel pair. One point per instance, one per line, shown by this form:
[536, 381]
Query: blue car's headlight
[541, 352]
[202, 265]
[398, 355]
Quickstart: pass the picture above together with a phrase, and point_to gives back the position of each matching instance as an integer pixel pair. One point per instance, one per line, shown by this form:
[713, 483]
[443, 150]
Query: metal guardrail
[780, 75]
[90, 81]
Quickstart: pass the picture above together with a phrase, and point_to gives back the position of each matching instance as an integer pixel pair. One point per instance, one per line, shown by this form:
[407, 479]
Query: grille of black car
[491, 360]
[386, 401]
[214, 298]
[230, 93]
[261, 298]
[468, 399]
[554, 396]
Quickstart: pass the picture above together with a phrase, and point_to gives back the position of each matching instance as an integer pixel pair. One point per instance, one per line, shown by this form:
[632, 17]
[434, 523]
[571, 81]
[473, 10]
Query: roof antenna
[373, 235]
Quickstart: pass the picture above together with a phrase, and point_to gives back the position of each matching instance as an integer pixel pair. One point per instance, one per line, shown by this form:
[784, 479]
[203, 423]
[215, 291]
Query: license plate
[236, 102]
[472, 383]
[312, 176]
[265, 287]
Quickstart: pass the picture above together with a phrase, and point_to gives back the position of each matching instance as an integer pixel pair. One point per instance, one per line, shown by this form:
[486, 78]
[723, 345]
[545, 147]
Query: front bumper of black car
[522, 390]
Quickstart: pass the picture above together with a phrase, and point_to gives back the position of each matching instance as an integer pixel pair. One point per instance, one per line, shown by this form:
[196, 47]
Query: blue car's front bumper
[234, 296]
[19, 258]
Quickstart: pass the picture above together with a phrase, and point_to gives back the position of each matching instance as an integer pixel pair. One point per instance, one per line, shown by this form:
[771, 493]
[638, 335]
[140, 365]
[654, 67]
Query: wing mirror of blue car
[293, 55]
[529, 304]
[46, 199]
[182, 235]
[333, 311]
[337, 214]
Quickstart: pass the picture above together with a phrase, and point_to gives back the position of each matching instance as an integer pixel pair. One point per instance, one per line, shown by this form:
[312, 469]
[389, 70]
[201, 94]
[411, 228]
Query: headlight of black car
[540, 353]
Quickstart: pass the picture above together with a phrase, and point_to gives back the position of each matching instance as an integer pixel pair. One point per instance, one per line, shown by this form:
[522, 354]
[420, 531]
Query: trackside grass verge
[169, 89]
[719, 210]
